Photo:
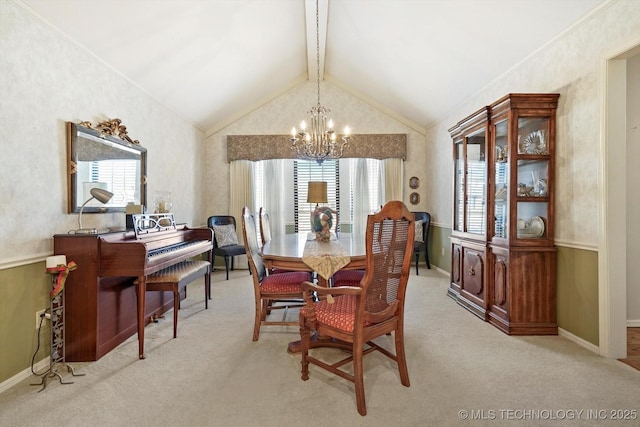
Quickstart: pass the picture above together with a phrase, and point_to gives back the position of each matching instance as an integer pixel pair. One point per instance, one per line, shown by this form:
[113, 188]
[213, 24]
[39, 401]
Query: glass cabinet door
[532, 177]
[458, 209]
[501, 197]
[475, 185]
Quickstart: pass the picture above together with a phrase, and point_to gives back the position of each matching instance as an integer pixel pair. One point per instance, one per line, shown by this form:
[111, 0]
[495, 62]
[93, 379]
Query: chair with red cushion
[347, 278]
[355, 316]
[272, 292]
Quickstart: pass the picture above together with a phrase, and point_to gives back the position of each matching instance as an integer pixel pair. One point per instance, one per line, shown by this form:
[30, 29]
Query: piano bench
[177, 277]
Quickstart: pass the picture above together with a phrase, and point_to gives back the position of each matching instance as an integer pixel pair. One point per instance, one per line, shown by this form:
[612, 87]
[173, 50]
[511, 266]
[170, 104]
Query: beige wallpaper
[45, 80]
[280, 115]
[571, 66]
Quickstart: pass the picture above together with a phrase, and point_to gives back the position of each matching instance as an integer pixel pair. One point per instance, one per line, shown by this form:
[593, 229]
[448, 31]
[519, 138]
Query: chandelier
[319, 142]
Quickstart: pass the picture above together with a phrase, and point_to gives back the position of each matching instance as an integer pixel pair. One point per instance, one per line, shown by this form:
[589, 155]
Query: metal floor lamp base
[57, 356]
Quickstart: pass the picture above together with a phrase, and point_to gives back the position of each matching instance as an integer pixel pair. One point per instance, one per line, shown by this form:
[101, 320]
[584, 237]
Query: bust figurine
[321, 222]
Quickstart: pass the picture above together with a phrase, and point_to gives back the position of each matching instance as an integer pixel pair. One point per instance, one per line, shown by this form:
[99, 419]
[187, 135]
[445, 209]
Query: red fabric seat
[348, 277]
[285, 282]
[340, 314]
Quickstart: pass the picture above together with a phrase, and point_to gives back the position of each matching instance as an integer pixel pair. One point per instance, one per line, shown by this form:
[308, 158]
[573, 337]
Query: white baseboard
[38, 367]
[581, 342]
[633, 323]
[441, 271]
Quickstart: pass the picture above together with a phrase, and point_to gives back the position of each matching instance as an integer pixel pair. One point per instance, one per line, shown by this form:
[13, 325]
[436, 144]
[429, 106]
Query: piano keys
[105, 296]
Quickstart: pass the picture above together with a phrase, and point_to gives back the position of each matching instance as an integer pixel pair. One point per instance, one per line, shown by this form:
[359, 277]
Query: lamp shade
[103, 196]
[317, 192]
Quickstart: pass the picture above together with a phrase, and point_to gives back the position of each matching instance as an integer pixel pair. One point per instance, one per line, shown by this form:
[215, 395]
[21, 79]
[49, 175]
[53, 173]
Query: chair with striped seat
[272, 292]
[357, 315]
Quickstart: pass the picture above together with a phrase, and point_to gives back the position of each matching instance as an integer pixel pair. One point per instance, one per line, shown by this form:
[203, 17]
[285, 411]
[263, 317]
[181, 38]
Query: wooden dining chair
[272, 292]
[358, 315]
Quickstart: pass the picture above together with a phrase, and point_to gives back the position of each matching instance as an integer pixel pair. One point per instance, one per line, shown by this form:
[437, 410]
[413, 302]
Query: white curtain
[241, 189]
[274, 187]
[393, 176]
[360, 196]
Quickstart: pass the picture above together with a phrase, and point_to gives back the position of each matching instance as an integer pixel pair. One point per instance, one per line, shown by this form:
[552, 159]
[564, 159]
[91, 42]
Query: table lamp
[103, 196]
[317, 192]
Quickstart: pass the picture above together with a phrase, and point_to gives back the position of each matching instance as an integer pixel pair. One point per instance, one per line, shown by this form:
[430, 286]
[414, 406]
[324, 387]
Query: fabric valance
[266, 147]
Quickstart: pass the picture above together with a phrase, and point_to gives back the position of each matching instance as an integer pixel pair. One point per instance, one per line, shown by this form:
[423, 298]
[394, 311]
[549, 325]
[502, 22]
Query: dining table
[303, 252]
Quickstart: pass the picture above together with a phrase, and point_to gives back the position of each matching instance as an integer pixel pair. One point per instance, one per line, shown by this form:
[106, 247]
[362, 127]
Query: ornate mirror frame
[92, 151]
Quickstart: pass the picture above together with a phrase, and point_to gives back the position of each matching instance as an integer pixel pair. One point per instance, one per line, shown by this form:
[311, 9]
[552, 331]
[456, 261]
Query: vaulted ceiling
[212, 61]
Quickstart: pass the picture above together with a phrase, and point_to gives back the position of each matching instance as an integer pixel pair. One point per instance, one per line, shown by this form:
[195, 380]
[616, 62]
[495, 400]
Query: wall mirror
[104, 156]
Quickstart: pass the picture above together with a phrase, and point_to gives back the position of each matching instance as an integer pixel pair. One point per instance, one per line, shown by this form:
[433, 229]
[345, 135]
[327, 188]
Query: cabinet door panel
[500, 281]
[473, 273]
[456, 255]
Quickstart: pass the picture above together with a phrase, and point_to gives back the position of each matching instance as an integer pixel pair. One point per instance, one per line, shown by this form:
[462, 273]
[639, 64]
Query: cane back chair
[356, 316]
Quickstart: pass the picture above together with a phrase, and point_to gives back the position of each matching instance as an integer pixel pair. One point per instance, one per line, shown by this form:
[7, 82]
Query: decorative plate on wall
[414, 198]
[414, 182]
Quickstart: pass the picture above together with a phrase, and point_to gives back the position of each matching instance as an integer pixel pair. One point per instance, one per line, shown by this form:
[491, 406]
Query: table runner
[325, 258]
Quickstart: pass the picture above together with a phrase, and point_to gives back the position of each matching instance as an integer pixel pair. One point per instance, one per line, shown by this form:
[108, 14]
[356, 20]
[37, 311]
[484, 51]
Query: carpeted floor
[463, 372]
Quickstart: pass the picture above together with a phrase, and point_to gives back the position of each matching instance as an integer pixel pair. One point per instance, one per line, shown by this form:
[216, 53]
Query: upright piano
[105, 298]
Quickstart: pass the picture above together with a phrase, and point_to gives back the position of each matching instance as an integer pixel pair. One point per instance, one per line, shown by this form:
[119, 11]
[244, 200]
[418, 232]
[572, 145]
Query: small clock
[414, 198]
[414, 182]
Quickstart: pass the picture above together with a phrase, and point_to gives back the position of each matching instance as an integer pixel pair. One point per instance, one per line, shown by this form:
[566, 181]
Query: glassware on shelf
[162, 202]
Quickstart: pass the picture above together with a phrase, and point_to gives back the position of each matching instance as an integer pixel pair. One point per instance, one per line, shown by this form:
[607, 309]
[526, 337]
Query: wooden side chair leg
[358, 378]
[257, 321]
[401, 358]
[305, 337]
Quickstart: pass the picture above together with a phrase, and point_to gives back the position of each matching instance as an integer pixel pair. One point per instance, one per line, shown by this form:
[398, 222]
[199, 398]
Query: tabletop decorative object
[321, 223]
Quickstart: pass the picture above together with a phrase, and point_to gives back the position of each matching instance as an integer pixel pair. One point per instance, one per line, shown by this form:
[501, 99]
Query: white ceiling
[212, 61]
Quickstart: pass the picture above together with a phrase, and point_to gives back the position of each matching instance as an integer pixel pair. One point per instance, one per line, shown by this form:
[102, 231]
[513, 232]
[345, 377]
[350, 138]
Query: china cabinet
[503, 265]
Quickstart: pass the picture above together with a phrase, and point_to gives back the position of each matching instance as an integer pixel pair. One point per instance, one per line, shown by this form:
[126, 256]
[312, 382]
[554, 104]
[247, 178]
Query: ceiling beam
[310, 17]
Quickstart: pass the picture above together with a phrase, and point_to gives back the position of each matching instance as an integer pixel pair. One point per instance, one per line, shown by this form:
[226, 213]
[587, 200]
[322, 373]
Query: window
[115, 174]
[374, 191]
[305, 171]
[344, 189]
